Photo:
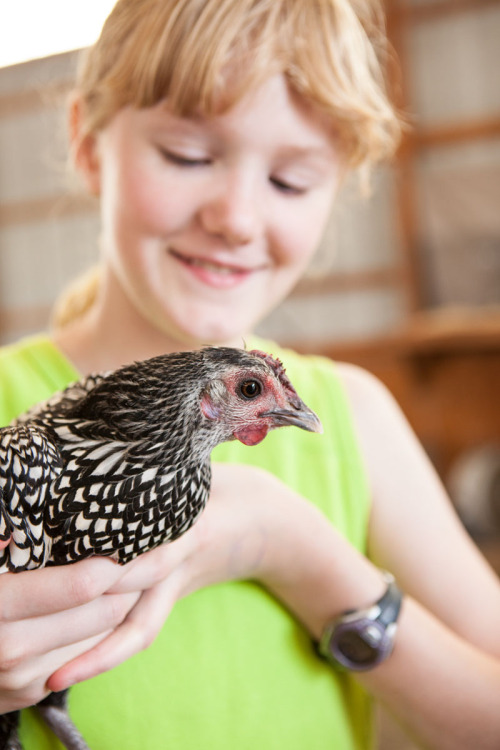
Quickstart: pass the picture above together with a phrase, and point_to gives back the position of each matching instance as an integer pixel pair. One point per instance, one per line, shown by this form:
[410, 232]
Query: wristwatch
[360, 639]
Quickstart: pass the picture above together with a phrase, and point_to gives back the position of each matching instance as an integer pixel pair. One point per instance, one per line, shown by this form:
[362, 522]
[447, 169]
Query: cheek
[144, 200]
[303, 229]
[300, 244]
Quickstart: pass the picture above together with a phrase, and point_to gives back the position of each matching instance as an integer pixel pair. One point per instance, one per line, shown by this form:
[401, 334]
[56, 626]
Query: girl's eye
[286, 187]
[184, 161]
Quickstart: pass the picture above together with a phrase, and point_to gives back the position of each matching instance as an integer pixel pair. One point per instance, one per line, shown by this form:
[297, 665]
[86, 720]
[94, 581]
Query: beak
[302, 417]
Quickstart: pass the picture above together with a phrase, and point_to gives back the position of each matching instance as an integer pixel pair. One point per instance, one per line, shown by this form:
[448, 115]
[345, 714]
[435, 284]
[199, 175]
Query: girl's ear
[83, 148]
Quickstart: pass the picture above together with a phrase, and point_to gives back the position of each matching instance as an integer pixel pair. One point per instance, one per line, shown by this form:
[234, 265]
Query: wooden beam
[21, 103]
[426, 334]
[402, 12]
[457, 132]
[405, 199]
[44, 209]
[349, 281]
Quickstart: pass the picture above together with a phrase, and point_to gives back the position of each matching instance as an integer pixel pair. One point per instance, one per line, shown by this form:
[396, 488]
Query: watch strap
[390, 602]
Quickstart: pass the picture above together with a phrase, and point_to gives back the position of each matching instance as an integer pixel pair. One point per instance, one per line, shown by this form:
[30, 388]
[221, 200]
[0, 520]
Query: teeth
[224, 270]
[209, 265]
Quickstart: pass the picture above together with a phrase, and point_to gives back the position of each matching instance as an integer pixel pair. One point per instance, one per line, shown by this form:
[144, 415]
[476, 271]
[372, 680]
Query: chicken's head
[250, 394]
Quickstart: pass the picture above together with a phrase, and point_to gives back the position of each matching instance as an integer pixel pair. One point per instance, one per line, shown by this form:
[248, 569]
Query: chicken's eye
[250, 389]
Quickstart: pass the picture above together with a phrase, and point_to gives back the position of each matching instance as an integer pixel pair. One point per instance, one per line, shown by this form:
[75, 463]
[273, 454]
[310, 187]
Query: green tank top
[231, 669]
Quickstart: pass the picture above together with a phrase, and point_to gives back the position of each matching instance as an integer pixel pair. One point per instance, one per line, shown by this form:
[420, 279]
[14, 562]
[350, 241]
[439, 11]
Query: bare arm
[443, 680]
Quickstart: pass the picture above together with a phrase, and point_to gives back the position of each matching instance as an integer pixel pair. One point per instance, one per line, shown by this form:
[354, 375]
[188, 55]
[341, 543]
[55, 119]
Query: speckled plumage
[120, 463]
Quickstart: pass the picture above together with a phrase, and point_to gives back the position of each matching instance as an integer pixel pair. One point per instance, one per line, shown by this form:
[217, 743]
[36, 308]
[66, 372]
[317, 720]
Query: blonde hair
[76, 299]
[204, 55]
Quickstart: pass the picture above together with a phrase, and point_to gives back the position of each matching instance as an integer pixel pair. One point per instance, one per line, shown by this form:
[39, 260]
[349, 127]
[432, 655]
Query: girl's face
[208, 223]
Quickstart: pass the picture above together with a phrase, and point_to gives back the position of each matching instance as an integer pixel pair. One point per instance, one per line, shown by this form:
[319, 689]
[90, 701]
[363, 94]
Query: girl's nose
[232, 211]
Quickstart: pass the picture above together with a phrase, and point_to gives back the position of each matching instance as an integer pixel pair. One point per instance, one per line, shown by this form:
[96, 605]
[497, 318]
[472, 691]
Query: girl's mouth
[212, 273]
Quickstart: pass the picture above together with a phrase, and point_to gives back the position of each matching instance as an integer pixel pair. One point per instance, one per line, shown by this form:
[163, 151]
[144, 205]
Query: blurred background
[406, 282]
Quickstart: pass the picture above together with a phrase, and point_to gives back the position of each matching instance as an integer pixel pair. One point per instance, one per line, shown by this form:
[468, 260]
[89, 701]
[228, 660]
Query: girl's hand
[255, 527]
[51, 616]
[227, 542]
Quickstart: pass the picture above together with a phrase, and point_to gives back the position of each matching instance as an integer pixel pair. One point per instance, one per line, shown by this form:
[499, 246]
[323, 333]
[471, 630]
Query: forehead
[274, 103]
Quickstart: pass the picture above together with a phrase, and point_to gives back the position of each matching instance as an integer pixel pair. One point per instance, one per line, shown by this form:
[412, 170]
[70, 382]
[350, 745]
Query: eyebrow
[200, 125]
[308, 151]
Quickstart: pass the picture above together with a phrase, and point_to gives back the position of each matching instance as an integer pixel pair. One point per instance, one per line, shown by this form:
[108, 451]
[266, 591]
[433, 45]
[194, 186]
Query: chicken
[119, 463]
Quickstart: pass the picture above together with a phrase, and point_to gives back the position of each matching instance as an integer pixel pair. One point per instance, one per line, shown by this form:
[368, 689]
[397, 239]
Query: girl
[216, 134]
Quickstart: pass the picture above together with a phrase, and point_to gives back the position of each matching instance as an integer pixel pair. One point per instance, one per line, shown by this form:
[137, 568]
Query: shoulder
[366, 415]
[31, 370]
[392, 455]
[369, 399]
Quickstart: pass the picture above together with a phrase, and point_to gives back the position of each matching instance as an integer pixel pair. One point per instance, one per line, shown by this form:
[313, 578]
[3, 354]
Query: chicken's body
[117, 464]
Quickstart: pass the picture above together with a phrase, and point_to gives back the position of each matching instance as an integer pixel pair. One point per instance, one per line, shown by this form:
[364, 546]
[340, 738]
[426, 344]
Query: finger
[49, 663]
[27, 684]
[35, 593]
[136, 633]
[26, 640]
[4, 543]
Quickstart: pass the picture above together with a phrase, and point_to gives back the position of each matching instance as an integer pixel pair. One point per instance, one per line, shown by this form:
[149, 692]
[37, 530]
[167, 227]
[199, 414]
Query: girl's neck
[113, 333]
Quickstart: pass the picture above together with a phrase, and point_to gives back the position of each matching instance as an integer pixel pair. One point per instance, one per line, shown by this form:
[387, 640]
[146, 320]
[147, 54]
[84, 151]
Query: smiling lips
[213, 273]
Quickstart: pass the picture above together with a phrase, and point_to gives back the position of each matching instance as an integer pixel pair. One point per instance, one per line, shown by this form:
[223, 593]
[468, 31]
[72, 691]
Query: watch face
[361, 639]
[359, 644]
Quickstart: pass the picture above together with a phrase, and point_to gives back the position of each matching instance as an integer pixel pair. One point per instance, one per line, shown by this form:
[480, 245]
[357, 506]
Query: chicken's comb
[278, 368]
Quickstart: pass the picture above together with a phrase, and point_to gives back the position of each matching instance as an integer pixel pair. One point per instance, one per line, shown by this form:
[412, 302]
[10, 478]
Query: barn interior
[406, 282]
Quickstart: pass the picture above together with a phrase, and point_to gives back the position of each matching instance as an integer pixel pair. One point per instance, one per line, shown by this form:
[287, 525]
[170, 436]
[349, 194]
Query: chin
[184, 337]
[217, 335]
[192, 326]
